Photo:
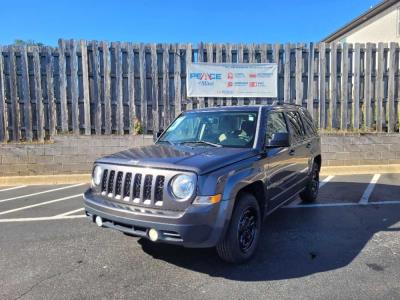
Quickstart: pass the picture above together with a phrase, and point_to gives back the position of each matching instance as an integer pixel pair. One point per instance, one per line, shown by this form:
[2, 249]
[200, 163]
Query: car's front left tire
[242, 236]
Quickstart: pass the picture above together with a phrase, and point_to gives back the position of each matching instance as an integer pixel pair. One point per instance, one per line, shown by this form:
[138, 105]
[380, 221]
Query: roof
[243, 107]
[377, 9]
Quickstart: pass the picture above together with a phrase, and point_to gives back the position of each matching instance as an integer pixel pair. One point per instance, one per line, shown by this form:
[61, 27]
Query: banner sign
[232, 80]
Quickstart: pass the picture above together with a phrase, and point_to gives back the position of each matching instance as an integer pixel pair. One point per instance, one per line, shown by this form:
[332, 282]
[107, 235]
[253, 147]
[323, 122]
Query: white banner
[232, 80]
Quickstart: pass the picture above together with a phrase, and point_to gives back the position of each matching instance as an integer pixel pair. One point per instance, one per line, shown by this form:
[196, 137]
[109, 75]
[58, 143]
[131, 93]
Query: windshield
[213, 129]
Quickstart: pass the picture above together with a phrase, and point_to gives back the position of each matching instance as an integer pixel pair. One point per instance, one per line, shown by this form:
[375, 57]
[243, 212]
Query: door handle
[292, 151]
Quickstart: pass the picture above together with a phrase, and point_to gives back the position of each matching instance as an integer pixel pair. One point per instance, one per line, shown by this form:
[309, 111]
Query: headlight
[182, 187]
[97, 175]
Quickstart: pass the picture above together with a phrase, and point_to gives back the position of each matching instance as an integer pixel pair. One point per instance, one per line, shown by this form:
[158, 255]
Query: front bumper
[199, 226]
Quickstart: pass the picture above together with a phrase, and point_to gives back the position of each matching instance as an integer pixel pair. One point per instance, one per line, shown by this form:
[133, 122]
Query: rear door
[299, 151]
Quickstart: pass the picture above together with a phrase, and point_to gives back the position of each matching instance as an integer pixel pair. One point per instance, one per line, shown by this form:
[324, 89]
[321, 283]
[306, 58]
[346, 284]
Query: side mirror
[159, 133]
[278, 140]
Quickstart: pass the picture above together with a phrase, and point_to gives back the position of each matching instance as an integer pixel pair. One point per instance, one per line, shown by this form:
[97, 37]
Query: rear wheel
[241, 239]
[310, 193]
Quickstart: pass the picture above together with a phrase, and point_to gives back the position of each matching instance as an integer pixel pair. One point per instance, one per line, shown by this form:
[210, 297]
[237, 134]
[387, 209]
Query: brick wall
[75, 154]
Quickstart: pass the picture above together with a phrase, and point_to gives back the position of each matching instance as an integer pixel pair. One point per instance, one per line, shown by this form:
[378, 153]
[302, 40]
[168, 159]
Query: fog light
[153, 234]
[99, 221]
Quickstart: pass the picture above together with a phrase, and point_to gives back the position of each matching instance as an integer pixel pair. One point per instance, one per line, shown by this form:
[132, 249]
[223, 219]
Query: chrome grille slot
[104, 181]
[136, 186]
[110, 185]
[147, 187]
[158, 194]
[118, 186]
[127, 185]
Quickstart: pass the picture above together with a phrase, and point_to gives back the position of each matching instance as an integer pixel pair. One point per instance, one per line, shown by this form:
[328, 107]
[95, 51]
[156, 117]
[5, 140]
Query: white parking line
[341, 204]
[13, 188]
[41, 219]
[39, 204]
[369, 189]
[42, 192]
[325, 181]
[69, 212]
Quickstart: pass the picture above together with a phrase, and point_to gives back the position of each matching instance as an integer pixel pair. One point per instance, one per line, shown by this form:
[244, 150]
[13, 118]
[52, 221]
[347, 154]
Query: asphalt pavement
[346, 245]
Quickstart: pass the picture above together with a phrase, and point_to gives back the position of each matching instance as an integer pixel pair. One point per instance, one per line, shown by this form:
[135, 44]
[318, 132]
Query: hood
[198, 159]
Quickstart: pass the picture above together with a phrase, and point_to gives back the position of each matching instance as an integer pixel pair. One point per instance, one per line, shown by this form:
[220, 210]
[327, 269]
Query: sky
[247, 21]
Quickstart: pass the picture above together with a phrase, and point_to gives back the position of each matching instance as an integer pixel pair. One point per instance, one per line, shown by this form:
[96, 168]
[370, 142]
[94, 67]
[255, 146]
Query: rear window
[296, 126]
[309, 125]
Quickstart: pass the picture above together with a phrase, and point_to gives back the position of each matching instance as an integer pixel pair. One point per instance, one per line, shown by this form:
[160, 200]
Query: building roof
[377, 9]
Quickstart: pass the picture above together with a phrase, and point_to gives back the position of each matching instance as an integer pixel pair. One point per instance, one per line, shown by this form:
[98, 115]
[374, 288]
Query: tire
[242, 236]
[310, 194]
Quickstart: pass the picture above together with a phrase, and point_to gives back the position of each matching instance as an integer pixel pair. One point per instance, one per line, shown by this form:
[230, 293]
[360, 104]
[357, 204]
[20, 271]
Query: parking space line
[42, 192]
[369, 189]
[41, 219]
[69, 212]
[13, 188]
[341, 204]
[325, 181]
[39, 204]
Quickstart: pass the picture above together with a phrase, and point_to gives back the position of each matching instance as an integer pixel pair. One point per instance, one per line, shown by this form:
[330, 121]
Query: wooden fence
[92, 87]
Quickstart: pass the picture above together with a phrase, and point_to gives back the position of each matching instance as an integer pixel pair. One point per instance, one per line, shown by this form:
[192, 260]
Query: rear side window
[275, 124]
[296, 126]
[308, 123]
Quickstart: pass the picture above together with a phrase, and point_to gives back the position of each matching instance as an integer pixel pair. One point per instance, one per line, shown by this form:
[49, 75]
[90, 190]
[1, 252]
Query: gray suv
[210, 179]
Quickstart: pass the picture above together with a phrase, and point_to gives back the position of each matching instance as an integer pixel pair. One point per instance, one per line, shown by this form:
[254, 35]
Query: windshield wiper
[201, 142]
[166, 141]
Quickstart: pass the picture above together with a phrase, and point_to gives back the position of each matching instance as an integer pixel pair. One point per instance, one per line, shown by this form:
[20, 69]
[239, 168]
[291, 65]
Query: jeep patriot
[210, 179]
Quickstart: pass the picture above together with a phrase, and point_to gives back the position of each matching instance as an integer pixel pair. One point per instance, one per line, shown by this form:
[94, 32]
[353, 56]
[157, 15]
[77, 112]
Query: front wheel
[241, 239]
[310, 193]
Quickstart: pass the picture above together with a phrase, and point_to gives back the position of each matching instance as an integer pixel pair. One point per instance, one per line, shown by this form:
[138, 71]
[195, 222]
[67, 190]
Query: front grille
[141, 189]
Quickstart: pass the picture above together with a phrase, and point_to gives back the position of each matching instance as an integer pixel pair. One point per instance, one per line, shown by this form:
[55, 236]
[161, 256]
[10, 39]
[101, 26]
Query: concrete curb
[44, 179]
[85, 178]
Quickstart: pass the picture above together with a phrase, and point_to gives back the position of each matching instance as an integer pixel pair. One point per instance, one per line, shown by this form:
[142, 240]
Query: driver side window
[275, 124]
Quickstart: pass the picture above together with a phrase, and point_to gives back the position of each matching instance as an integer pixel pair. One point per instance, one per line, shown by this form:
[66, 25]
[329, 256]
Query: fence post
[391, 86]
[85, 87]
[15, 115]
[286, 82]
[166, 85]
[50, 92]
[310, 78]
[322, 78]
[107, 87]
[62, 79]
[3, 102]
[380, 86]
[299, 74]
[119, 116]
[26, 96]
[356, 86]
[38, 95]
[154, 75]
[131, 86]
[345, 82]
[143, 94]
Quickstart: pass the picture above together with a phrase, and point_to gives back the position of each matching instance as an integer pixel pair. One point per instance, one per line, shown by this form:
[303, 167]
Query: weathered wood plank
[74, 86]
[131, 87]
[299, 74]
[229, 60]
[154, 75]
[200, 59]
[119, 117]
[210, 54]
[107, 87]
[322, 78]
[50, 92]
[143, 93]
[380, 87]
[38, 95]
[4, 136]
[62, 78]
[345, 83]
[286, 80]
[368, 87]
[26, 97]
[15, 113]
[165, 93]
[96, 87]
[177, 80]
[310, 79]
[333, 86]
[189, 59]
[240, 60]
[391, 86]
[356, 86]
[85, 87]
